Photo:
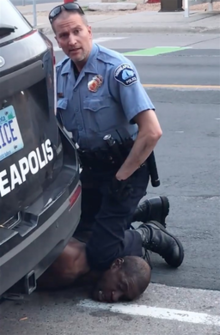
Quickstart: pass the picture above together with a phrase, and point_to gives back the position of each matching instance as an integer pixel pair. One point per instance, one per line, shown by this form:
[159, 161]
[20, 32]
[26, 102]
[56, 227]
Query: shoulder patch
[125, 75]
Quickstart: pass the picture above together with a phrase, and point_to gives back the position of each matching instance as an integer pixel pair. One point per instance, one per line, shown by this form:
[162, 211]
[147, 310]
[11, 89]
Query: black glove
[120, 189]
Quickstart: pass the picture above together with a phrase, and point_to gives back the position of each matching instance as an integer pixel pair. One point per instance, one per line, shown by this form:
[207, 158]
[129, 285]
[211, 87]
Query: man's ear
[117, 263]
[90, 30]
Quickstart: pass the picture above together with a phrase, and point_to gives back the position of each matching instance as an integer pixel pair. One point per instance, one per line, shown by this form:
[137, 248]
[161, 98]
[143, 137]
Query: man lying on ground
[126, 279]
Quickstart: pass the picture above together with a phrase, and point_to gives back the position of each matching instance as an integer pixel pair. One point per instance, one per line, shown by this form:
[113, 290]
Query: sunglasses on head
[71, 6]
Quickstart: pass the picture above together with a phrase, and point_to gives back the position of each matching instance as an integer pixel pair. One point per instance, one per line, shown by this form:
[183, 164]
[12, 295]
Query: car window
[10, 16]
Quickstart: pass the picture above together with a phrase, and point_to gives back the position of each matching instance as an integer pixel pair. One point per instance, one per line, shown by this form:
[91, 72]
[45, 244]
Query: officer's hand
[120, 189]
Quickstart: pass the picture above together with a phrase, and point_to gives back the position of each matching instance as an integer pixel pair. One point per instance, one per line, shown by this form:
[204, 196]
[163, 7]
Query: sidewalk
[144, 20]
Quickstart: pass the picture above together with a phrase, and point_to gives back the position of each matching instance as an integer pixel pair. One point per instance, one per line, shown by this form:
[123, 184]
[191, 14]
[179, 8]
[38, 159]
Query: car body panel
[40, 190]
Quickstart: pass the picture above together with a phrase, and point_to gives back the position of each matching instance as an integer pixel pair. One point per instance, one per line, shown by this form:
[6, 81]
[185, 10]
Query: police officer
[99, 93]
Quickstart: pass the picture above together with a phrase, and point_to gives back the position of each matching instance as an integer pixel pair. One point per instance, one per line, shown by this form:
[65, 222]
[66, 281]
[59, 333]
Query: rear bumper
[38, 251]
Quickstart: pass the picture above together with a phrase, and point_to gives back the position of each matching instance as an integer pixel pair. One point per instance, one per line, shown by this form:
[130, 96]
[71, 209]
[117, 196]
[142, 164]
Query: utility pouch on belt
[97, 160]
[120, 152]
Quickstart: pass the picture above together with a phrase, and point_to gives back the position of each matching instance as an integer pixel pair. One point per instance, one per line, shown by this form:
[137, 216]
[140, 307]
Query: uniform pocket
[100, 113]
[96, 105]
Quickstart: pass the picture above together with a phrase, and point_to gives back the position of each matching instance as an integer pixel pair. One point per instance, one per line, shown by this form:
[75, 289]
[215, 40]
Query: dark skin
[115, 285]
[110, 286]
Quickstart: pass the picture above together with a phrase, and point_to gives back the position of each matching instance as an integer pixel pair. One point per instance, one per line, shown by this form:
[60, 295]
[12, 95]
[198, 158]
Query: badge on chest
[95, 83]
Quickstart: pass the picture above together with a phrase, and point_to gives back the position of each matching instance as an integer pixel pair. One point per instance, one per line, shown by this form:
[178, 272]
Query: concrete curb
[146, 29]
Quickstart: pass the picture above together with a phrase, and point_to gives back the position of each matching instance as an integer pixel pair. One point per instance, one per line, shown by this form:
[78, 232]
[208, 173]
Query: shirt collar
[90, 66]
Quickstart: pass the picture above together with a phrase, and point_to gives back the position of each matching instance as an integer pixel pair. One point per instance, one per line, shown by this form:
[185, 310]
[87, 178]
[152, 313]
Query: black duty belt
[97, 160]
[113, 156]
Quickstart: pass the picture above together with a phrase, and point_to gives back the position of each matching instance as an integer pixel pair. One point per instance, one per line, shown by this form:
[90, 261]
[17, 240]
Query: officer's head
[127, 279]
[72, 32]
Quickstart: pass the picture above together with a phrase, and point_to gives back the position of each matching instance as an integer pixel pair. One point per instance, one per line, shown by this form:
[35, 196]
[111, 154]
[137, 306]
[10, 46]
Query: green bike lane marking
[154, 51]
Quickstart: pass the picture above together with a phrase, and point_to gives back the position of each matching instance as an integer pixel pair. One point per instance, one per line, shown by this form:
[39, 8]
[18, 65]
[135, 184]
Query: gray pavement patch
[196, 53]
[61, 313]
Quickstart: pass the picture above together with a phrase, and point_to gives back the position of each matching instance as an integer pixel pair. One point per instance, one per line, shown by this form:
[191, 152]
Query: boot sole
[166, 210]
[181, 249]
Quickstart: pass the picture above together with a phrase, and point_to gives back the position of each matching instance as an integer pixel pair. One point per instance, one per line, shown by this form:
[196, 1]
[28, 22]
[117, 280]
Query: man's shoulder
[112, 57]
[61, 63]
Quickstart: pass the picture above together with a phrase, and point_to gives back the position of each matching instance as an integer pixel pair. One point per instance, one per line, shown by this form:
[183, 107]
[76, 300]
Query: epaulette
[110, 56]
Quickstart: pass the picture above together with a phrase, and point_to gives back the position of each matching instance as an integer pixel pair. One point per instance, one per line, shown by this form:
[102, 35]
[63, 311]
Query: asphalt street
[185, 88]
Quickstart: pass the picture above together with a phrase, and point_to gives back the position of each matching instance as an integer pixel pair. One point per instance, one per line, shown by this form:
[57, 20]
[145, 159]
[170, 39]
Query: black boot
[158, 240]
[152, 209]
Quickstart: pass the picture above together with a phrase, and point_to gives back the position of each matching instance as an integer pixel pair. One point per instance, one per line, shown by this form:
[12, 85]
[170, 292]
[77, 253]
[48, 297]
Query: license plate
[10, 135]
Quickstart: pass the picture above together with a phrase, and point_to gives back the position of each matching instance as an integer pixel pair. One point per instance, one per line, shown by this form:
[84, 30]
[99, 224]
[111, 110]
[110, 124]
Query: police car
[40, 191]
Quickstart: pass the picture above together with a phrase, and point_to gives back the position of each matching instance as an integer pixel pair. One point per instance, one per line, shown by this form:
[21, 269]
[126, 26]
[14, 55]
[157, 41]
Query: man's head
[72, 32]
[126, 280]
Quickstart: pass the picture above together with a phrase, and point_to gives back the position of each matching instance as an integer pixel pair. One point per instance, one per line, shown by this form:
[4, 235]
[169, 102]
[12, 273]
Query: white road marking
[155, 312]
[98, 40]
[106, 39]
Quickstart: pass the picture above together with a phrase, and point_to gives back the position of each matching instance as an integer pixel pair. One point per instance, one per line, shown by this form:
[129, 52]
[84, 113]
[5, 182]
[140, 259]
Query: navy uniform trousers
[110, 219]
